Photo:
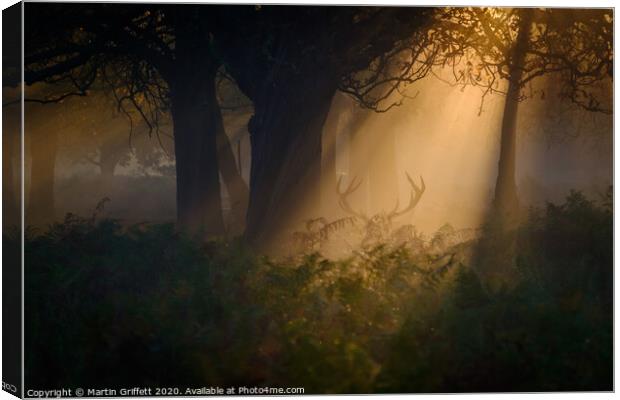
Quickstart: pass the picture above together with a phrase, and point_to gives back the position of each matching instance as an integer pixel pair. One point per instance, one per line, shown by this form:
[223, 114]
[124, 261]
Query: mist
[446, 134]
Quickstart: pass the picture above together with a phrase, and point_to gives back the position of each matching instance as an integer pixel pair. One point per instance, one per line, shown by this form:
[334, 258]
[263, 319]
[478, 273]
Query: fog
[448, 135]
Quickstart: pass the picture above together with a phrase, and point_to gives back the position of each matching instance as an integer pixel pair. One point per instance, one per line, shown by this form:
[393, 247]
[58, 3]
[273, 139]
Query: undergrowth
[113, 306]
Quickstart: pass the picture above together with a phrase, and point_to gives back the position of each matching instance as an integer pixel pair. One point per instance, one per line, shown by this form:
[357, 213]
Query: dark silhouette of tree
[155, 59]
[290, 61]
[168, 56]
[504, 50]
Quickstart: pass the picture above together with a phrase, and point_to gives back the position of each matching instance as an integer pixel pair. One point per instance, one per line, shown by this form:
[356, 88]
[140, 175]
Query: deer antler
[416, 194]
[342, 201]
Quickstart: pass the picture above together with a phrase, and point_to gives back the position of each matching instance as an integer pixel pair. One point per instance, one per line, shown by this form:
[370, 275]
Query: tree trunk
[238, 191]
[506, 202]
[199, 210]
[286, 135]
[43, 149]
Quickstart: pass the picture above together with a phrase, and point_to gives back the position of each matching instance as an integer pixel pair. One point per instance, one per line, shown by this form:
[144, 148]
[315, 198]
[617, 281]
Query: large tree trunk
[238, 191]
[286, 135]
[194, 116]
[43, 148]
[506, 202]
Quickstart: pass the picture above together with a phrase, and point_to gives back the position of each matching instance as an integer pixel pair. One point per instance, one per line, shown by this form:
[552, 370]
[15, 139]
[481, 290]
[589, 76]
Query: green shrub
[111, 306]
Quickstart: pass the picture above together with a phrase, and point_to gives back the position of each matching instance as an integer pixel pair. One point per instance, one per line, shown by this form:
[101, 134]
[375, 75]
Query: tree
[155, 59]
[290, 61]
[231, 100]
[41, 137]
[504, 50]
[158, 50]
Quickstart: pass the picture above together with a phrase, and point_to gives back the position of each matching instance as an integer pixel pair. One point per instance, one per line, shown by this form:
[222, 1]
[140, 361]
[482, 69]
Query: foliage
[570, 248]
[109, 306]
[479, 45]
[551, 332]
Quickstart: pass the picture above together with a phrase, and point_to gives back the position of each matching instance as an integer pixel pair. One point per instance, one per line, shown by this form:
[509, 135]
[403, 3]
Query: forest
[345, 199]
